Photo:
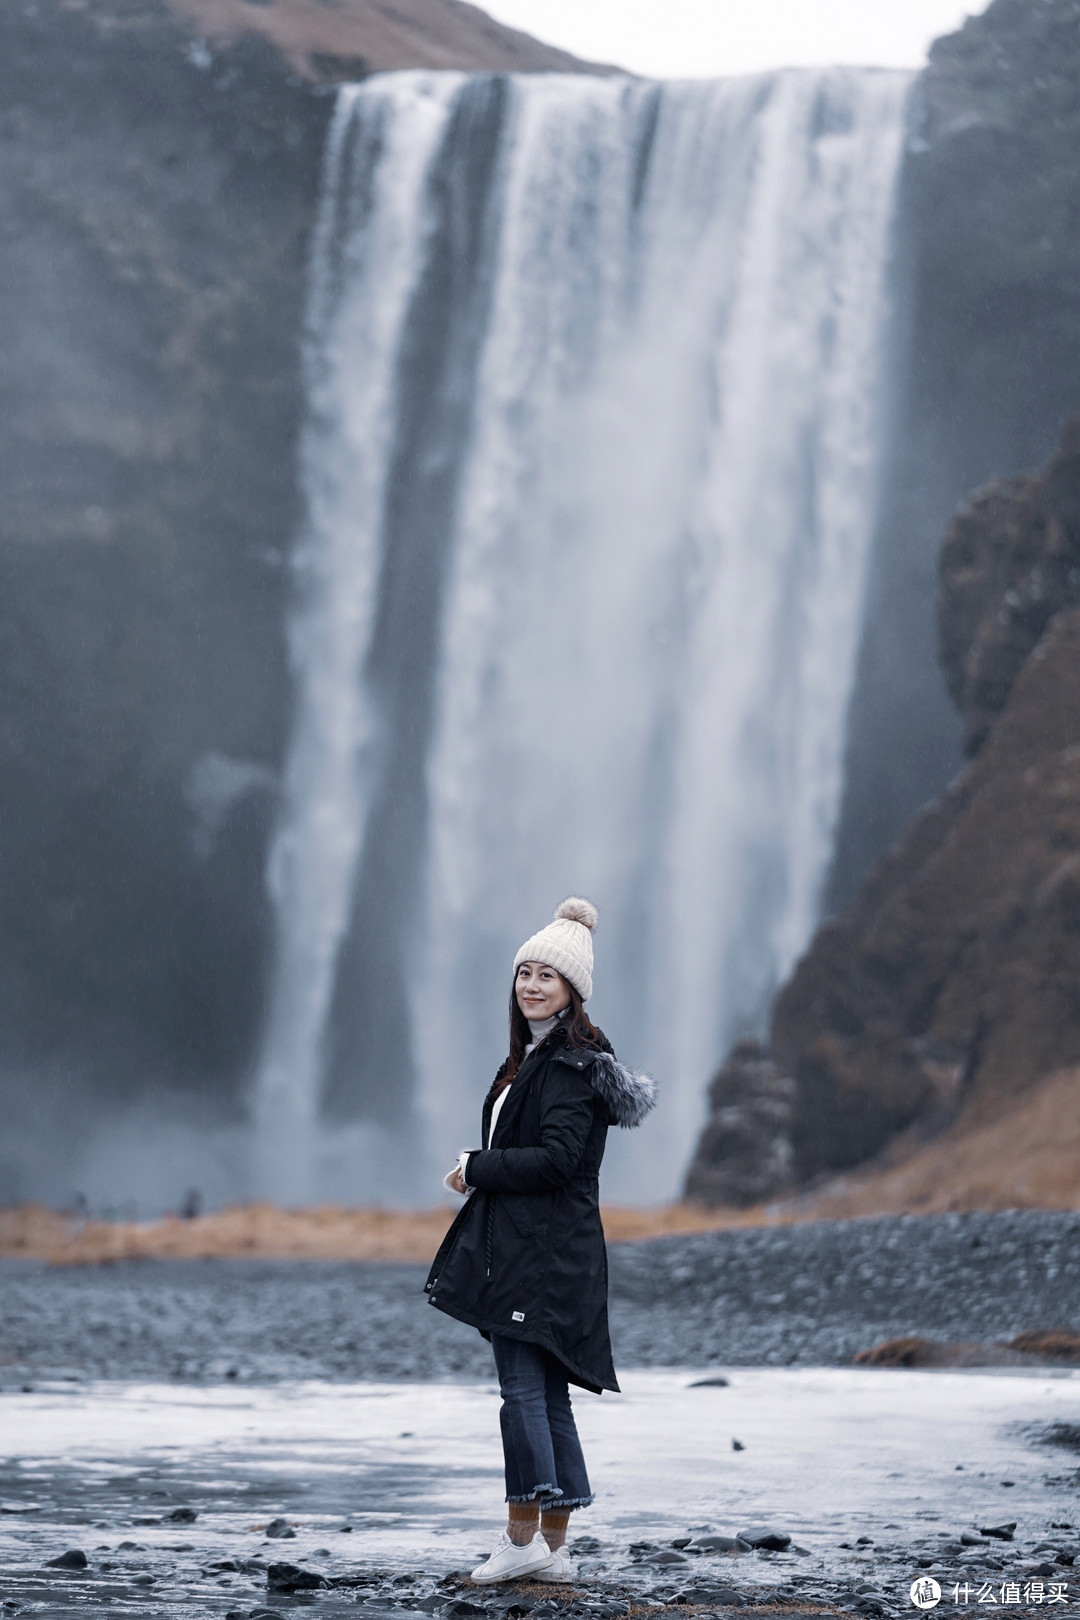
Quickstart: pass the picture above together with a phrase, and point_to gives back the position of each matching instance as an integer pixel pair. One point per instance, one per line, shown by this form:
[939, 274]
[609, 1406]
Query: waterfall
[594, 368]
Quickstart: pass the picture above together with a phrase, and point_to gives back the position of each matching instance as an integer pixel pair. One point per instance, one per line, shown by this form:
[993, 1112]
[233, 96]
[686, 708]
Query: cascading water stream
[595, 367]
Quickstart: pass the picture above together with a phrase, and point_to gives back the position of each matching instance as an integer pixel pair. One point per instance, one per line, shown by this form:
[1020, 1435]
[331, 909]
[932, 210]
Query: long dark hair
[580, 1031]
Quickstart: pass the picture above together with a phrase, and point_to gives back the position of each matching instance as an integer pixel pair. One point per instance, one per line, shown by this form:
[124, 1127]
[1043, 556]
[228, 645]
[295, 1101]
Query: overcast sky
[708, 38]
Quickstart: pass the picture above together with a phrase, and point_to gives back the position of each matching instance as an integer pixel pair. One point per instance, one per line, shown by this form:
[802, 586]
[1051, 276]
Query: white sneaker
[560, 1568]
[508, 1561]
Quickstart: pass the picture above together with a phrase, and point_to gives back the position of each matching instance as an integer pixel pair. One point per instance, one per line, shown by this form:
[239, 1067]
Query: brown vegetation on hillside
[354, 37]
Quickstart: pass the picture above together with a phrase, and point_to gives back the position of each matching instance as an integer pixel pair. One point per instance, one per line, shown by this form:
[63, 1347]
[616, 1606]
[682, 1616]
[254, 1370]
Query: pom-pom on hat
[565, 945]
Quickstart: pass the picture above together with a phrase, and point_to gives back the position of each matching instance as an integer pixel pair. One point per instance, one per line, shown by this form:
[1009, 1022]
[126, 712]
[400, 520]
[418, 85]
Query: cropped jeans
[540, 1439]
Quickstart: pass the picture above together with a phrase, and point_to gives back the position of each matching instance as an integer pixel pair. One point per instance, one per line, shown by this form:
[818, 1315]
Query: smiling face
[540, 991]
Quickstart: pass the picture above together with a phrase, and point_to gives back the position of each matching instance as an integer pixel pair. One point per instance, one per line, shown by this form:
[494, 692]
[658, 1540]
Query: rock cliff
[945, 981]
[951, 986]
[984, 368]
[159, 172]
[352, 37]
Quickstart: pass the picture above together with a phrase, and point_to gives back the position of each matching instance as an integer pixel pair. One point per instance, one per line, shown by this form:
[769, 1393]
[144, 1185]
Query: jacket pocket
[528, 1213]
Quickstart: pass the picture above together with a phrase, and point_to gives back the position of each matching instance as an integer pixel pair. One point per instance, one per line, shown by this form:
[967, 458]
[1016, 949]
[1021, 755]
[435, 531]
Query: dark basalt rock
[708, 1594]
[74, 1559]
[744, 1154]
[291, 1578]
[763, 1538]
[1010, 562]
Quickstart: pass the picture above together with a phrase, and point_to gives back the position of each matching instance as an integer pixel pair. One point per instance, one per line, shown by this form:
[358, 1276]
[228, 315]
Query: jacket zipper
[489, 1223]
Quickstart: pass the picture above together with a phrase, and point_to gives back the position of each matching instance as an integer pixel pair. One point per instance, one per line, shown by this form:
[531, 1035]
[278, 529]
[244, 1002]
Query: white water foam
[655, 566]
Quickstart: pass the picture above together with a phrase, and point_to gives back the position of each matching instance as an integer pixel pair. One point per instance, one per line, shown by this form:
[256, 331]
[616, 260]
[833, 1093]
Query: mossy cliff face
[159, 176]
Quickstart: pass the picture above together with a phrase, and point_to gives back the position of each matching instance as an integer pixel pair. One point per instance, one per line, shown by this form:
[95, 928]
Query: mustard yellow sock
[554, 1522]
[524, 1518]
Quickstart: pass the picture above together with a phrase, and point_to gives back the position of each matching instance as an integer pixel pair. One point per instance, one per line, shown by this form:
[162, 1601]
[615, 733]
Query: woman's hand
[454, 1181]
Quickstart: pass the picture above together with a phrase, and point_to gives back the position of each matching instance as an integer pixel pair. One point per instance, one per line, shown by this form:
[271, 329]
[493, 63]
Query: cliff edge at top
[355, 37]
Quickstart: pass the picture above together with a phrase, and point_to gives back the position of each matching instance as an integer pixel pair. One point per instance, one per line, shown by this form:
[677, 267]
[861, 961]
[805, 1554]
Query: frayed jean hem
[566, 1502]
[539, 1491]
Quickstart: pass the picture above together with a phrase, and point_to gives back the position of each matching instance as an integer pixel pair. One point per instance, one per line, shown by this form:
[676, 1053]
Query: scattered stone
[864, 1541]
[182, 1515]
[737, 1445]
[665, 1557]
[1062, 1434]
[681, 1541]
[765, 1539]
[724, 1595]
[291, 1578]
[463, 1607]
[1000, 1532]
[146, 1518]
[73, 1559]
[718, 1382]
[968, 1540]
[707, 1544]
[20, 1507]
[280, 1530]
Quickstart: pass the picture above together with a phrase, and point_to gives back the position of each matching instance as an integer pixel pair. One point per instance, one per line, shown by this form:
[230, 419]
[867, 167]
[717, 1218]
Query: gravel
[781, 1296]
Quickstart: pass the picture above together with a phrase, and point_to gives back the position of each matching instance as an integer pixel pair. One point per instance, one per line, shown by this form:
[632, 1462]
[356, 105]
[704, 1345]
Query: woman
[525, 1260]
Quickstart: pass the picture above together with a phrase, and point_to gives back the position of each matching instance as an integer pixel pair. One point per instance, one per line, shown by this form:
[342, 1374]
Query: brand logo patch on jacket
[517, 1316]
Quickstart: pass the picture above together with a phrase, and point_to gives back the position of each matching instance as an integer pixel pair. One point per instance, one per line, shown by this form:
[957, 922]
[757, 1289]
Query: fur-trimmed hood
[629, 1096]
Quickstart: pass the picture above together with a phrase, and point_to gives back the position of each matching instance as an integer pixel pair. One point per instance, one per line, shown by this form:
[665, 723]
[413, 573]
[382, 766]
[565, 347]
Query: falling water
[594, 369]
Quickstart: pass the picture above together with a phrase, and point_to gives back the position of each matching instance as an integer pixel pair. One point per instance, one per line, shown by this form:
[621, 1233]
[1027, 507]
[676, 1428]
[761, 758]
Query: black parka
[526, 1254]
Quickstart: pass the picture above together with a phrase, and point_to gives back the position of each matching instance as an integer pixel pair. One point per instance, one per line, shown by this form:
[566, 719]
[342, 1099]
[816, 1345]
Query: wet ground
[157, 1419]
[812, 1295]
[391, 1492]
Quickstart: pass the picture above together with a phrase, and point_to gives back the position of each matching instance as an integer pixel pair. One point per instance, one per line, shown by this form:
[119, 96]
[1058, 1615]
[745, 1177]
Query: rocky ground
[845, 1486]
[811, 1295]
[204, 1438]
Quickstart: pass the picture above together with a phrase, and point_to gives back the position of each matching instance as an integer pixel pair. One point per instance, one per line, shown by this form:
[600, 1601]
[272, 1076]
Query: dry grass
[1026, 1158]
[262, 1231]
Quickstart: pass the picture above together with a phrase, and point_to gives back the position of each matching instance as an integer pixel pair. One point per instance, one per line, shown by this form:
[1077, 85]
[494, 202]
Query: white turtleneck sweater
[538, 1031]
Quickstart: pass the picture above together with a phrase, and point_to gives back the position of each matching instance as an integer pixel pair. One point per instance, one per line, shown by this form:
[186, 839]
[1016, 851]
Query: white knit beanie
[566, 945]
